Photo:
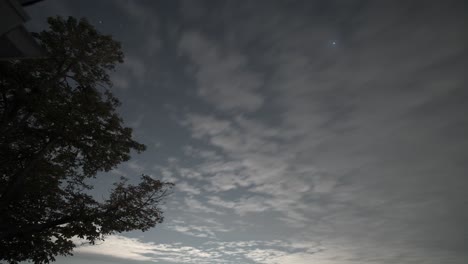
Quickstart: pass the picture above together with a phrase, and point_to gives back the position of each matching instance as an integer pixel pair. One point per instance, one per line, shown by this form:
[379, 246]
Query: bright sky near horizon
[297, 132]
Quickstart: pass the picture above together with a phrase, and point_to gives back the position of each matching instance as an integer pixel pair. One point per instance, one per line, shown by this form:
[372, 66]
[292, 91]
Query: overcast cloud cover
[328, 132]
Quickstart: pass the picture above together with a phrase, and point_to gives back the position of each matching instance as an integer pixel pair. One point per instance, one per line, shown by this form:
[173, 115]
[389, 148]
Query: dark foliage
[58, 128]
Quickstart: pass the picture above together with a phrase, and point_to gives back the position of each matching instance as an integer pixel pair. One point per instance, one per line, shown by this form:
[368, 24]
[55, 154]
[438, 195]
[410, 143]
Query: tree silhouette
[59, 128]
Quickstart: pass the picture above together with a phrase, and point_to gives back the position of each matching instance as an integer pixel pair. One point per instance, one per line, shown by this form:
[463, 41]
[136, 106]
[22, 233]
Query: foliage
[58, 128]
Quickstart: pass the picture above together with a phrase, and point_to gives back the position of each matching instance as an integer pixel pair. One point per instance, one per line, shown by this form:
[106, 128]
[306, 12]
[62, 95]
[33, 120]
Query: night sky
[297, 132]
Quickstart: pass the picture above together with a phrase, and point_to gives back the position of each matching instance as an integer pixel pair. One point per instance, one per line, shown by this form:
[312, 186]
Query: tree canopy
[59, 128]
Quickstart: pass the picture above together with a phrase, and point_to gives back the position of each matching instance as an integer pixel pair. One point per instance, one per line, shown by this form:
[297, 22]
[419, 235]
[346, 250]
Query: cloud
[132, 71]
[134, 249]
[206, 125]
[268, 252]
[138, 11]
[198, 227]
[222, 75]
[120, 247]
[253, 162]
[242, 206]
[265, 255]
[354, 153]
[120, 82]
[135, 166]
[187, 188]
[154, 44]
[201, 153]
[248, 251]
[196, 206]
[136, 123]
[354, 132]
[135, 67]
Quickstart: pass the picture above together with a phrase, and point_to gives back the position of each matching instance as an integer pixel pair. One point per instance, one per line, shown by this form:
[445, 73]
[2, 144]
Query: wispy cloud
[356, 124]
[198, 227]
[353, 152]
[222, 75]
[187, 188]
[135, 249]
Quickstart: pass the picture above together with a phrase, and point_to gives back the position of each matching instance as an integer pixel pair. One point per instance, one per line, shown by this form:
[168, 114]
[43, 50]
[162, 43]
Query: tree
[58, 129]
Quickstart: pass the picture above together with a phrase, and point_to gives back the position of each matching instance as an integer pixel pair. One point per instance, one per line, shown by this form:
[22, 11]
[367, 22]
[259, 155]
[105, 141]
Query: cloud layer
[299, 131]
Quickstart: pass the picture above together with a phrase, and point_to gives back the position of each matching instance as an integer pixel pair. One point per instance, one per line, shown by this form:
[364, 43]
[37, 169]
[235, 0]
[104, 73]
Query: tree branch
[12, 232]
[18, 178]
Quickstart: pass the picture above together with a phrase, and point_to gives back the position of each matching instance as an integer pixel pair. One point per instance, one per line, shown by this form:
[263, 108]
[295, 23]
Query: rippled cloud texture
[328, 132]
